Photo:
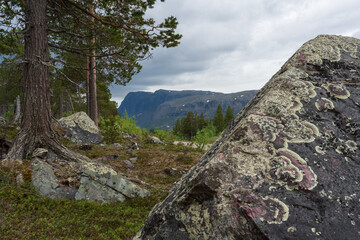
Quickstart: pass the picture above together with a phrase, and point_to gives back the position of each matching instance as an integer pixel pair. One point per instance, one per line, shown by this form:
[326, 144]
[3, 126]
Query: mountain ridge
[163, 107]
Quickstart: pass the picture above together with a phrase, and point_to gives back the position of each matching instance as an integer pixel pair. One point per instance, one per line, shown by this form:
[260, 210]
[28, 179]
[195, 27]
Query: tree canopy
[38, 33]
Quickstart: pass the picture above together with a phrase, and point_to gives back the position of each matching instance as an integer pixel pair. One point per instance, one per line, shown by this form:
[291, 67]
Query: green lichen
[324, 105]
[337, 90]
[324, 47]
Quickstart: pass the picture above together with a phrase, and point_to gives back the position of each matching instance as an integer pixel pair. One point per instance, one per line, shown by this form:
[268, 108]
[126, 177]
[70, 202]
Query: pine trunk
[92, 91]
[87, 85]
[35, 125]
[61, 105]
[17, 113]
[93, 108]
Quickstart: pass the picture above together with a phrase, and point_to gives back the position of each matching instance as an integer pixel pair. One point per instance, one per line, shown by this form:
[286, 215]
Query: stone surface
[2, 121]
[81, 129]
[44, 179]
[83, 180]
[118, 145]
[287, 167]
[129, 164]
[155, 140]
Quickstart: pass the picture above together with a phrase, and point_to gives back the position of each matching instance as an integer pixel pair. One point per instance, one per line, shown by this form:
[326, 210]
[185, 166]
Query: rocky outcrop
[56, 178]
[287, 167]
[81, 129]
[163, 107]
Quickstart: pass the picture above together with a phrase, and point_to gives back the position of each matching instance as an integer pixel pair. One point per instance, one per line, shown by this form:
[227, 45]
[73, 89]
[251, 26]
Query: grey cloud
[237, 45]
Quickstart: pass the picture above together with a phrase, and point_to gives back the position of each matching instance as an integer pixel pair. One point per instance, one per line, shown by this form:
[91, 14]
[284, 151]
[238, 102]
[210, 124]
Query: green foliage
[107, 108]
[10, 81]
[25, 215]
[188, 126]
[205, 135]
[229, 115]
[9, 131]
[218, 120]
[166, 136]
[124, 37]
[10, 113]
[113, 127]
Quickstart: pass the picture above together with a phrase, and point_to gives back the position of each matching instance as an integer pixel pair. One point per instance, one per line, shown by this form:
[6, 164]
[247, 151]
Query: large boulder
[81, 129]
[288, 166]
[80, 180]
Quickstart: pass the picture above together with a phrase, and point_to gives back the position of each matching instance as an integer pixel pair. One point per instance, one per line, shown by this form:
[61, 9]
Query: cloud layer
[230, 46]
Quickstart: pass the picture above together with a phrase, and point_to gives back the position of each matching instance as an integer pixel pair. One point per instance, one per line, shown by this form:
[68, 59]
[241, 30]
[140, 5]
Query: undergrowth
[25, 215]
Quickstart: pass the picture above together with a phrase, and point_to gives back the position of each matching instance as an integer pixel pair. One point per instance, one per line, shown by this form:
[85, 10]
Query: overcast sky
[236, 45]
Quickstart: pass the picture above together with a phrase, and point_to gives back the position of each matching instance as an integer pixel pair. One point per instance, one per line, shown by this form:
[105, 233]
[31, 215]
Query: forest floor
[26, 215]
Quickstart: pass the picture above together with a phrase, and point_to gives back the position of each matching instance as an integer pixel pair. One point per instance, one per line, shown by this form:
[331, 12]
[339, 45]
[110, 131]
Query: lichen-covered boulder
[81, 129]
[288, 166]
[82, 180]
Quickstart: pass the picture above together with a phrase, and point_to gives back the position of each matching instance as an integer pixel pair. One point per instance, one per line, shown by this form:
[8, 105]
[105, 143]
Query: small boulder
[2, 121]
[129, 164]
[173, 171]
[155, 140]
[85, 147]
[80, 180]
[81, 129]
[118, 145]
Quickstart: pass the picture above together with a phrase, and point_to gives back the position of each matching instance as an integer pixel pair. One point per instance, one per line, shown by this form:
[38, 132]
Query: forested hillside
[163, 107]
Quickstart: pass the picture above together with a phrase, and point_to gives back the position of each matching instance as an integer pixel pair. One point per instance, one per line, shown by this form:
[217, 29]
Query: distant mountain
[163, 107]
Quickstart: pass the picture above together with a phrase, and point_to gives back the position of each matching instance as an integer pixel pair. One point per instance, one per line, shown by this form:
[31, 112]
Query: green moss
[8, 131]
[25, 215]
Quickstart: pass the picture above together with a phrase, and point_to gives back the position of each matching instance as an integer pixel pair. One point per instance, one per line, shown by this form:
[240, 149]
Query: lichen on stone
[337, 90]
[324, 104]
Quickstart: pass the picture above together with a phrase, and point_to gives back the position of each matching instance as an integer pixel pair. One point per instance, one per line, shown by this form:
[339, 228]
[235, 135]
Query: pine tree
[218, 119]
[228, 116]
[124, 37]
[202, 122]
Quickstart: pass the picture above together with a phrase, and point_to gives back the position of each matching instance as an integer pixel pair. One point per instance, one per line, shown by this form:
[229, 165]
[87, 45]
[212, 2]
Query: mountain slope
[163, 107]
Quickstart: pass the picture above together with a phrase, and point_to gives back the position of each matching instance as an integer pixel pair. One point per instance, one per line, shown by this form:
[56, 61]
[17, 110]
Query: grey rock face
[56, 178]
[44, 179]
[81, 129]
[287, 167]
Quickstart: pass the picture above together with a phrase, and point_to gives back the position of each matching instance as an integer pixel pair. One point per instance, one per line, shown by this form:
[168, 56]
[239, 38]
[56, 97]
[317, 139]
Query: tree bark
[92, 105]
[17, 111]
[61, 105]
[87, 85]
[36, 121]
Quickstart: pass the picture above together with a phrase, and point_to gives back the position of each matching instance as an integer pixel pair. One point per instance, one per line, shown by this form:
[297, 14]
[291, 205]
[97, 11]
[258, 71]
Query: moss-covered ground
[26, 215]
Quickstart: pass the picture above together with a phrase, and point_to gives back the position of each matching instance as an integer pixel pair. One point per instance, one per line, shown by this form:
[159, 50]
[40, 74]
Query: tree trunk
[93, 108]
[17, 113]
[3, 109]
[35, 125]
[87, 85]
[61, 105]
